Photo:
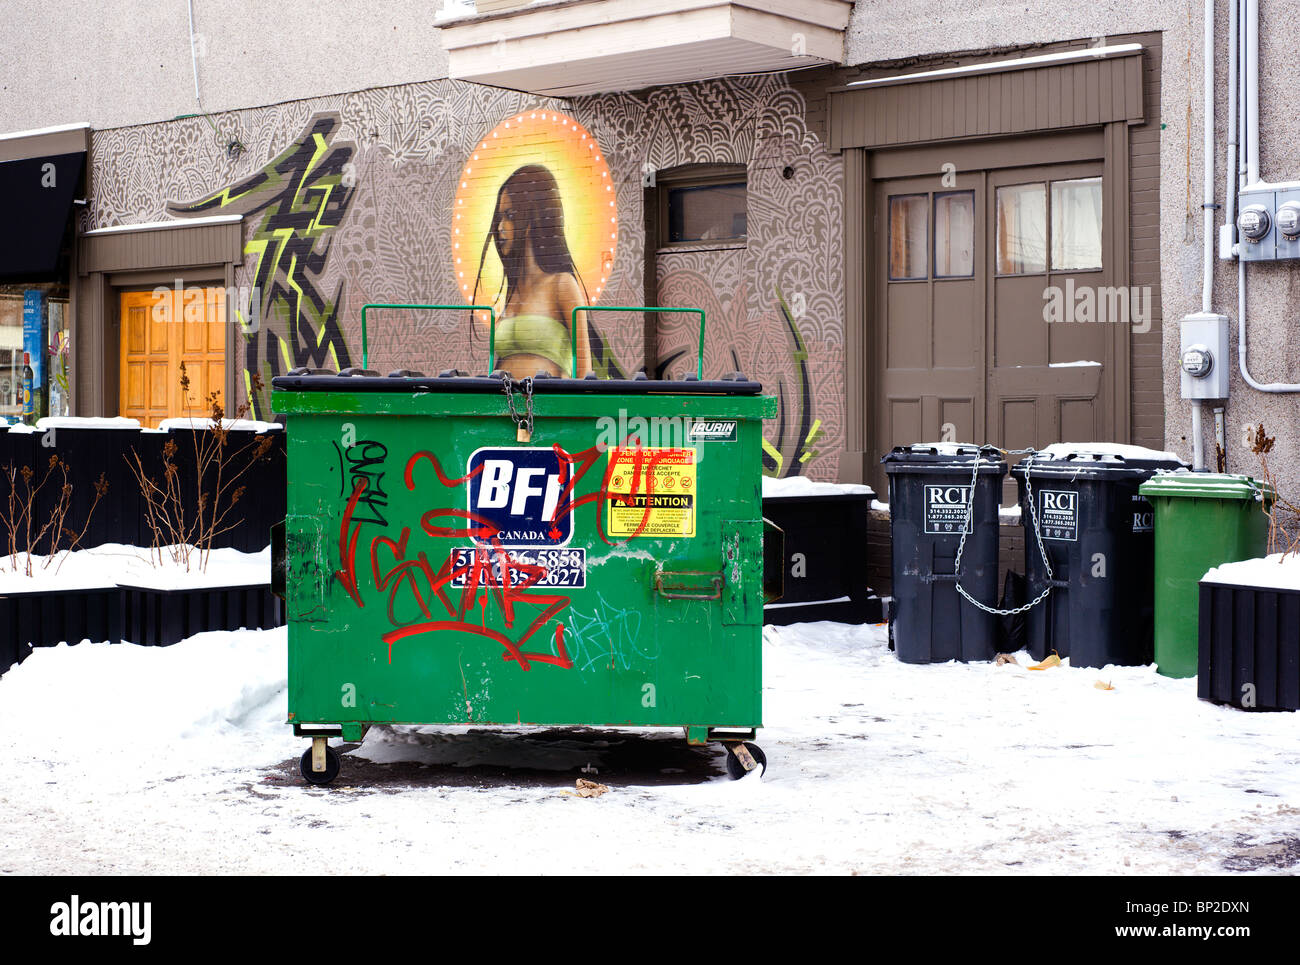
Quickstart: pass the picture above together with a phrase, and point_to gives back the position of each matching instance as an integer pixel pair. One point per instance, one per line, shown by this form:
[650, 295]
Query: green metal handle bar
[573, 327]
[492, 326]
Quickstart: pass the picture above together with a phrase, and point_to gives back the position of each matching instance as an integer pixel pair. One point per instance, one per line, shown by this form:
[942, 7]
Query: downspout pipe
[1228, 231]
[1207, 213]
[1252, 91]
[1207, 163]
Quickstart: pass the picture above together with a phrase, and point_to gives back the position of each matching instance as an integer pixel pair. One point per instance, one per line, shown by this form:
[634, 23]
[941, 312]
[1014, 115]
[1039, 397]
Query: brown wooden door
[930, 310]
[160, 334]
[989, 290]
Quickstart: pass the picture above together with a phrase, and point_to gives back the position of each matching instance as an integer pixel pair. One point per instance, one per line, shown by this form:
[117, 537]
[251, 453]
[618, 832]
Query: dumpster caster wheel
[736, 768]
[331, 771]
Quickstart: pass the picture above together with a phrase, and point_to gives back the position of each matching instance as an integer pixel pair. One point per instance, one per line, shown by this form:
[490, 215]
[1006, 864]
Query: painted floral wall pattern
[350, 199]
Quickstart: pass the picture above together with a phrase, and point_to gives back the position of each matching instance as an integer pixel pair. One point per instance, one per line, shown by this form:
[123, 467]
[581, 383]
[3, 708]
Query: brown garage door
[990, 287]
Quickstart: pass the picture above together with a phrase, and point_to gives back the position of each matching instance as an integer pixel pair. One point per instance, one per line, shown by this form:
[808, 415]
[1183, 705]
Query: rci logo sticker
[1059, 514]
[945, 509]
[517, 491]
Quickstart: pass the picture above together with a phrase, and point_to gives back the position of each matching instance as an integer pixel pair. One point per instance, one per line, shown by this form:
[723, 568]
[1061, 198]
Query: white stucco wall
[119, 62]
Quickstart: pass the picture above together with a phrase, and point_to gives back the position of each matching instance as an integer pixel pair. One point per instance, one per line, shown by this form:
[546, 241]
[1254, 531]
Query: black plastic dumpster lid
[315, 381]
[1096, 459]
[943, 457]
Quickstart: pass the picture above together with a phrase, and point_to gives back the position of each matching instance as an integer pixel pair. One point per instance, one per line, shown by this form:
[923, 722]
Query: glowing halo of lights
[573, 157]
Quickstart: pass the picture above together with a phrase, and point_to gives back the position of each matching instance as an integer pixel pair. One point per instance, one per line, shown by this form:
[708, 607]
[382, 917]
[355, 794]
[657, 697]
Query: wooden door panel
[908, 334]
[1078, 420]
[956, 310]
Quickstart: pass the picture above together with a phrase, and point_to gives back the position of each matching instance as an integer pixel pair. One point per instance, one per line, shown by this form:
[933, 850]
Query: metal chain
[526, 420]
[1033, 515]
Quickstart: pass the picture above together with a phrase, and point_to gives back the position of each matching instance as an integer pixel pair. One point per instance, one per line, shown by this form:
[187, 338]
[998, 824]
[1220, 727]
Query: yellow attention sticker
[651, 492]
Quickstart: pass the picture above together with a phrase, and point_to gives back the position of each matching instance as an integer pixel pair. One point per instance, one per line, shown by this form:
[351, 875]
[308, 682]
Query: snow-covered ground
[123, 759]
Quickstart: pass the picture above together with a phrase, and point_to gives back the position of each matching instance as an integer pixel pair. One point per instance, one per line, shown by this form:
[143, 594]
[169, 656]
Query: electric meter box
[1284, 222]
[1256, 207]
[1204, 339]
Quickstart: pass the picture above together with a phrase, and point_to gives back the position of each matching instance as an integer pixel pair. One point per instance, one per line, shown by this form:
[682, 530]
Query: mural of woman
[540, 283]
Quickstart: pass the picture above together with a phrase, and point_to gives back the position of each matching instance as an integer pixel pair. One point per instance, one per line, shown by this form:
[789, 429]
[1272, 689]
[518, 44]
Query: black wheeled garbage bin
[929, 493]
[1097, 533]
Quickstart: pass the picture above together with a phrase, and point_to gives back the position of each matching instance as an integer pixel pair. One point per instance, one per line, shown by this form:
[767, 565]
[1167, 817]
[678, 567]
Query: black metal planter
[825, 559]
[46, 618]
[1249, 647]
[116, 614]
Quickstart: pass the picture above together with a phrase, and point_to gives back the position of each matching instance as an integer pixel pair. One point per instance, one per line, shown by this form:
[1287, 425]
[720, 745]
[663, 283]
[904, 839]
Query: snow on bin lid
[943, 457]
[1270, 572]
[1066, 450]
[1210, 484]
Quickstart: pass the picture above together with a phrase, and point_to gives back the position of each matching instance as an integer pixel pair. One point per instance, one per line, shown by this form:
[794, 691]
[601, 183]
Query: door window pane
[954, 235]
[1076, 224]
[1022, 229]
[909, 221]
[713, 212]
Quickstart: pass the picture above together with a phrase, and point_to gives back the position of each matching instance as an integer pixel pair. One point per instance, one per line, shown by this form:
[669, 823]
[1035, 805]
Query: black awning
[36, 197]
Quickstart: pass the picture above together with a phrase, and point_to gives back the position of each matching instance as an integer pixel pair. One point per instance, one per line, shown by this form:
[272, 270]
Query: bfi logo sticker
[945, 509]
[1058, 514]
[517, 491]
[715, 431]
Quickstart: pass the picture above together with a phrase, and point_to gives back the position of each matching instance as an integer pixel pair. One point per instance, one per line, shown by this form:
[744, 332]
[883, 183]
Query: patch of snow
[803, 486]
[241, 425]
[85, 422]
[1270, 572]
[777, 606]
[116, 564]
[1070, 365]
[153, 760]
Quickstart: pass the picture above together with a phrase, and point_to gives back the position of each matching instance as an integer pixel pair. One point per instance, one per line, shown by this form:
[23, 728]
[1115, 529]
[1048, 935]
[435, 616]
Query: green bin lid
[1213, 485]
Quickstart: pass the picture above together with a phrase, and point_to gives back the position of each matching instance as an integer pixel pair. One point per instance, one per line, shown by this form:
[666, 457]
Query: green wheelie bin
[481, 550]
[1201, 520]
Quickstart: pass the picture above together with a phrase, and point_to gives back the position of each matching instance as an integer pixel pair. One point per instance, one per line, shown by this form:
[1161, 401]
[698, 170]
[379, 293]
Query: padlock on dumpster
[606, 572]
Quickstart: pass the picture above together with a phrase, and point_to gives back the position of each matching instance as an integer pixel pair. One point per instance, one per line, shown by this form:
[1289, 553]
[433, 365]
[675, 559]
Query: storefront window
[11, 357]
[909, 218]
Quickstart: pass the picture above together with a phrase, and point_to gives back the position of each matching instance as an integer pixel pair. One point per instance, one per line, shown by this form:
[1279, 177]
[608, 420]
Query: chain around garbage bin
[1033, 515]
[523, 423]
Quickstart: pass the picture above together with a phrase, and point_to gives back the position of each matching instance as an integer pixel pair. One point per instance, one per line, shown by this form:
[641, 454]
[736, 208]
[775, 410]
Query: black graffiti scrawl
[297, 200]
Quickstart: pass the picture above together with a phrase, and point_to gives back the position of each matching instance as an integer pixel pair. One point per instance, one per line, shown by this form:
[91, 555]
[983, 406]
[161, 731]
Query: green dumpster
[484, 551]
[1201, 520]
